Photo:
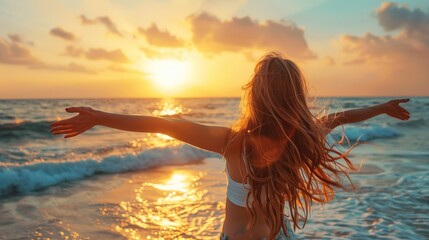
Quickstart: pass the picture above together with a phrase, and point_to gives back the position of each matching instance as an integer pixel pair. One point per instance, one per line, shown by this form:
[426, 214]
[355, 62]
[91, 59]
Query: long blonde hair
[290, 159]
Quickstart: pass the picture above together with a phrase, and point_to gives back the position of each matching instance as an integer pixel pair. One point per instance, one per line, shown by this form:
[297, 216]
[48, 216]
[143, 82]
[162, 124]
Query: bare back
[237, 219]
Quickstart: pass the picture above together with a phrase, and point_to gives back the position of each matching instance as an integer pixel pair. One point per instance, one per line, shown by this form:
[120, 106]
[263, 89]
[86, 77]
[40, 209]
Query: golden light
[168, 73]
[178, 182]
[168, 208]
[168, 108]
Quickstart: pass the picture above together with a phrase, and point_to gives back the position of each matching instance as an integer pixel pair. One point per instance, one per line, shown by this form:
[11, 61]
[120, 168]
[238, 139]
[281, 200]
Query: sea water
[390, 200]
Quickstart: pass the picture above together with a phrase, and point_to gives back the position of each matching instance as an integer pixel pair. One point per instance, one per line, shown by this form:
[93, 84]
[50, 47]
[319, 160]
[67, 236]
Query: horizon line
[219, 97]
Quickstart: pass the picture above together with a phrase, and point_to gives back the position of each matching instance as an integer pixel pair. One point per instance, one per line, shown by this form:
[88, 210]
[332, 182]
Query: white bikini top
[236, 192]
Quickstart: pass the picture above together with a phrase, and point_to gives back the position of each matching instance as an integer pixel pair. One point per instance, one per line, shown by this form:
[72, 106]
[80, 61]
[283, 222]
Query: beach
[172, 202]
[108, 184]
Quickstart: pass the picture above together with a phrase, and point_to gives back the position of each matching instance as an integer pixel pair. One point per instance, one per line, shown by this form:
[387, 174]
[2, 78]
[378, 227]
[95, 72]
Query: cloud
[102, 54]
[329, 61]
[392, 17]
[61, 33]
[19, 39]
[400, 59]
[71, 67]
[15, 38]
[96, 54]
[75, 67]
[153, 53]
[210, 34]
[74, 51]
[117, 68]
[354, 61]
[15, 53]
[410, 44]
[104, 20]
[160, 38]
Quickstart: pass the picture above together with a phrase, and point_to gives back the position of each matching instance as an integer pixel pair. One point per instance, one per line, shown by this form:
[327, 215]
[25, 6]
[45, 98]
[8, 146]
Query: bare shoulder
[233, 145]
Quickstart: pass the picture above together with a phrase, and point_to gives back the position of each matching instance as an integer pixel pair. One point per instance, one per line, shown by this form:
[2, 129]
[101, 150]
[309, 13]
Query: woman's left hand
[393, 109]
[76, 125]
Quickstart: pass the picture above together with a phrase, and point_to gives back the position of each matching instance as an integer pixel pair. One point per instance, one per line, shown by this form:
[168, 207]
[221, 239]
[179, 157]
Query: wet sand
[169, 201]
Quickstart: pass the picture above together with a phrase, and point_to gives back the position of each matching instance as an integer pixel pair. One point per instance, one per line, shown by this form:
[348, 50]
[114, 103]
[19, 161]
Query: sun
[168, 73]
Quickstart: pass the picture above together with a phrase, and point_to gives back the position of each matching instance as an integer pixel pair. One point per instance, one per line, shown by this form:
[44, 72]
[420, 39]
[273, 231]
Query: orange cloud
[61, 33]
[96, 54]
[15, 53]
[401, 59]
[19, 39]
[152, 53]
[104, 20]
[210, 34]
[354, 61]
[116, 68]
[15, 38]
[160, 38]
[409, 45]
[74, 51]
[71, 67]
[102, 54]
[329, 61]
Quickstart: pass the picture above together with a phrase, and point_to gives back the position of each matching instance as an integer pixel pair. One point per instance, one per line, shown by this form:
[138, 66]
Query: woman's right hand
[71, 127]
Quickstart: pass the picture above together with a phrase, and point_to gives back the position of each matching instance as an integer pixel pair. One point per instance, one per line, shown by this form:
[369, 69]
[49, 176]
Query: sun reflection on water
[166, 108]
[169, 108]
[182, 210]
[176, 207]
[18, 121]
[177, 182]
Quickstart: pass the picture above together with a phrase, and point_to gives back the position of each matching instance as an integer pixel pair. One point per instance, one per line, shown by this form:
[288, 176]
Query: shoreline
[158, 201]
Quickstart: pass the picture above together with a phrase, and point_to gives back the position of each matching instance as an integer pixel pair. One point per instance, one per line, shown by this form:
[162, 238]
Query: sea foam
[28, 177]
[366, 133]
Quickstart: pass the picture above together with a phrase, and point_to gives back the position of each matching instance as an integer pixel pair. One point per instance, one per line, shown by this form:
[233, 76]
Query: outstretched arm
[210, 138]
[390, 108]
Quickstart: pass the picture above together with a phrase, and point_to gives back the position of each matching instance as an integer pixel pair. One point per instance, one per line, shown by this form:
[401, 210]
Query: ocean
[110, 184]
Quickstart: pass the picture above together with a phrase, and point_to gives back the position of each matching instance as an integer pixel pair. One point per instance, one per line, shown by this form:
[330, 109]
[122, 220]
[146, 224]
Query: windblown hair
[290, 159]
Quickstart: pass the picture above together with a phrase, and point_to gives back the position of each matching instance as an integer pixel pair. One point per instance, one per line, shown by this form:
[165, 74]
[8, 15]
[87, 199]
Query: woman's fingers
[61, 127]
[64, 127]
[403, 117]
[62, 122]
[77, 109]
[71, 129]
[73, 134]
[81, 128]
[76, 120]
[400, 111]
[399, 115]
[402, 100]
[75, 125]
[394, 110]
[404, 110]
[64, 131]
[72, 119]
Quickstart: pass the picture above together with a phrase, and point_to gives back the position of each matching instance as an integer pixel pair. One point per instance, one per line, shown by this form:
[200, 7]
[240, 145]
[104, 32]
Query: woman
[276, 153]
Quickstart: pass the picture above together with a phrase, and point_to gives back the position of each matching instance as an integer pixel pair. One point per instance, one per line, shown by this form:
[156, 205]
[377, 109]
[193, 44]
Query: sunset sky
[189, 48]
